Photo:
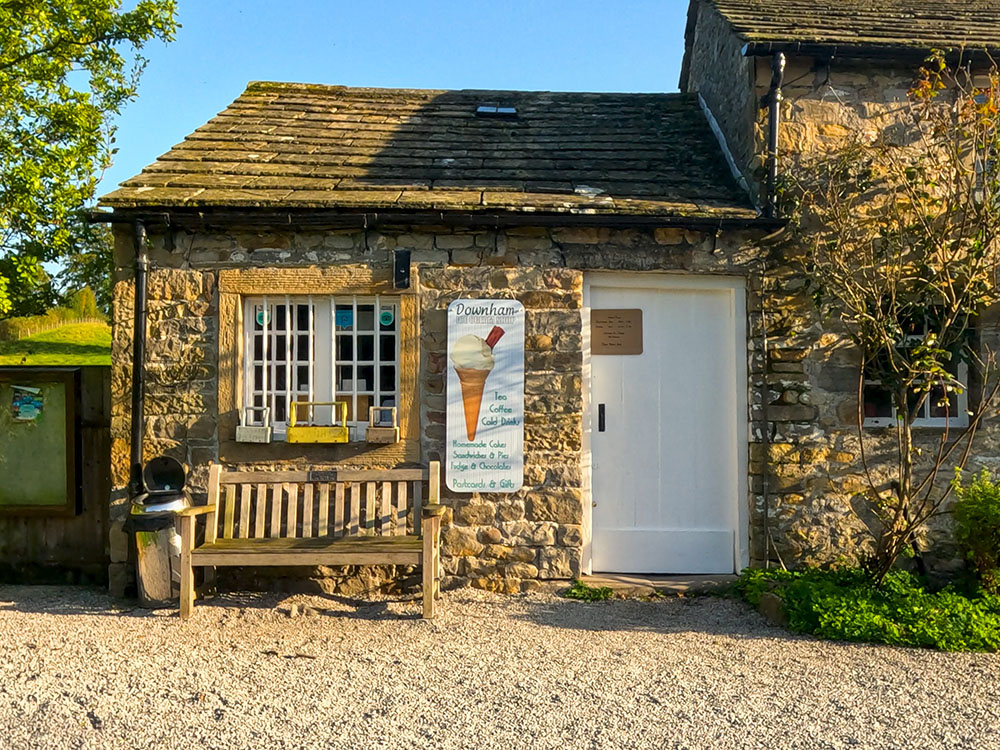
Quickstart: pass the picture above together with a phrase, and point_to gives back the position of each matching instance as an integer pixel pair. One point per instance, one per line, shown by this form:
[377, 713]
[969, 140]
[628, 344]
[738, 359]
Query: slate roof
[285, 145]
[864, 25]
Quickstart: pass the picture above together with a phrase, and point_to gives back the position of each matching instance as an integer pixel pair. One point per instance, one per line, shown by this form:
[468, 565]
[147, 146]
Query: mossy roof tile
[871, 25]
[335, 147]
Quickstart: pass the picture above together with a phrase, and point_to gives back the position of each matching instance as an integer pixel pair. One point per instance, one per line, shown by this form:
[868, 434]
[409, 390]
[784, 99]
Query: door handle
[600, 417]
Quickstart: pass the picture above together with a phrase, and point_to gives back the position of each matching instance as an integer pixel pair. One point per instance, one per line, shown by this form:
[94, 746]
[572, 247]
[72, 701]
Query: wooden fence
[13, 329]
[71, 548]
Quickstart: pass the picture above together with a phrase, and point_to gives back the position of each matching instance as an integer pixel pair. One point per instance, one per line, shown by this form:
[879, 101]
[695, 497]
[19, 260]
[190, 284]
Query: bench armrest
[197, 510]
[432, 510]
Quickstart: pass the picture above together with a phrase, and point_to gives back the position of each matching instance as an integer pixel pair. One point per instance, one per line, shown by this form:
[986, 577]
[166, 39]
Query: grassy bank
[73, 344]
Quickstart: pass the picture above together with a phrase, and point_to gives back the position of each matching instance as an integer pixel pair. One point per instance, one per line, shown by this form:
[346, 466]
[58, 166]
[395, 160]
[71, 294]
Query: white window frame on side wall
[959, 418]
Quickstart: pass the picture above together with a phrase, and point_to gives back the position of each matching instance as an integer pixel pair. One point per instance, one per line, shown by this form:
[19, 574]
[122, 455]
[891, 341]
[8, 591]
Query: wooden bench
[339, 517]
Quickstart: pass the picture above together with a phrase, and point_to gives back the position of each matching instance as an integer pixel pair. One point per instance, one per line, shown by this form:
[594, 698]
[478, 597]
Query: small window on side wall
[942, 407]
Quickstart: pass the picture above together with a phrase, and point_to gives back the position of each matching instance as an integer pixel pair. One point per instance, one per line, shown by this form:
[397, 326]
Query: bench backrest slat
[338, 510]
[399, 522]
[307, 510]
[244, 527]
[370, 508]
[355, 527]
[277, 495]
[385, 509]
[213, 497]
[260, 514]
[417, 508]
[292, 511]
[307, 504]
[229, 513]
[322, 528]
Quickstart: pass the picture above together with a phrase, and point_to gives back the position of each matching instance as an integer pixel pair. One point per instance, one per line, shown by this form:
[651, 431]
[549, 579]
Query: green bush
[845, 605]
[977, 527]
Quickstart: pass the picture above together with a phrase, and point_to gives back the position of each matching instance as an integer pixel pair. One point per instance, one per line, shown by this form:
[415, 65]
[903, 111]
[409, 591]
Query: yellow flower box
[314, 433]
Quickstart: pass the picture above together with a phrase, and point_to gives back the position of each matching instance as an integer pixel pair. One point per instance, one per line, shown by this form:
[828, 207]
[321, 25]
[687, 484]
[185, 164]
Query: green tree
[84, 303]
[89, 265]
[67, 67]
[28, 287]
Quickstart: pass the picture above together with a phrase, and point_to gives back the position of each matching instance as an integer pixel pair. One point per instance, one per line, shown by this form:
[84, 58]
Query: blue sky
[583, 45]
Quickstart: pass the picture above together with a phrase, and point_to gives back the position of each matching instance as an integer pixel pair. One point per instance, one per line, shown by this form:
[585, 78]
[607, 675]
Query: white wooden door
[668, 457]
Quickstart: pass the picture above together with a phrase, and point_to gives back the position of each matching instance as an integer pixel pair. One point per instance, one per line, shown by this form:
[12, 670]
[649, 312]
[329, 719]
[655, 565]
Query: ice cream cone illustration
[473, 382]
[473, 360]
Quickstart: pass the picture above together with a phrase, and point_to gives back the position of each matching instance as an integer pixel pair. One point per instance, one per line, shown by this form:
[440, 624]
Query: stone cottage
[288, 216]
[682, 411]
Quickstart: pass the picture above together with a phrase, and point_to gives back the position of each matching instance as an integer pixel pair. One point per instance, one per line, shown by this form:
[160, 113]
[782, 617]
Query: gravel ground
[79, 670]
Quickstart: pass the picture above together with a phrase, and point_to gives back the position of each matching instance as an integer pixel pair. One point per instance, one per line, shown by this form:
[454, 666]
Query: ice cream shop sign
[485, 396]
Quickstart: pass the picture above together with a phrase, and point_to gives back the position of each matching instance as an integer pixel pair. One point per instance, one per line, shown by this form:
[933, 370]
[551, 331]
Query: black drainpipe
[773, 100]
[765, 418]
[138, 356]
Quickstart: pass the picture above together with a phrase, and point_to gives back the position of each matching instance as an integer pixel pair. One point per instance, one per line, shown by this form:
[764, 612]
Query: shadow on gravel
[711, 616]
[349, 607]
[708, 615]
[65, 600]
[59, 600]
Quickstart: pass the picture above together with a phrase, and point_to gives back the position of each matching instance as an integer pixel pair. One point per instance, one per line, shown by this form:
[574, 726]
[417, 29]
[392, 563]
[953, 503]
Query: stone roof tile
[299, 145]
[871, 25]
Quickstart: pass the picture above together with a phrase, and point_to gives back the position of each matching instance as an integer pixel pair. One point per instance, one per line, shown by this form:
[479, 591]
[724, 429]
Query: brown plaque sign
[616, 331]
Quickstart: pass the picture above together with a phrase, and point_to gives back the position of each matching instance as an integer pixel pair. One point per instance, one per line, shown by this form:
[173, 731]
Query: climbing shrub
[977, 527]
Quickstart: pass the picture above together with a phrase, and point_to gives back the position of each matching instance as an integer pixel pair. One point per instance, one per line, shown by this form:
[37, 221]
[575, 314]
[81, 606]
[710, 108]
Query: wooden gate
[53, 541]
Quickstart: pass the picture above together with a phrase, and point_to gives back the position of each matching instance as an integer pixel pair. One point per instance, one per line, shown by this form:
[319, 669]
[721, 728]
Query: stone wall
[726, 79]
[820, 474]
[498, 540]
[513, 542]
[813, 466]
[825, 102]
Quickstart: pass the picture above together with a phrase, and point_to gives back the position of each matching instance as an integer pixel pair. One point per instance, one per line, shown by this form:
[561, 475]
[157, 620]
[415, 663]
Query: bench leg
[437, 562]
[431, 530]
[211, 587]
[427, 568]
[187, 569]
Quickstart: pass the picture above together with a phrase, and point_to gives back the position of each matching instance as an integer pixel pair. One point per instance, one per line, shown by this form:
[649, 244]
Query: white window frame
[957, 419]
[324, 360]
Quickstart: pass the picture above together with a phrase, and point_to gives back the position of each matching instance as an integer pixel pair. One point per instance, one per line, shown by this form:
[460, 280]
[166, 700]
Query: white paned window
[317, 348]
[941, 407]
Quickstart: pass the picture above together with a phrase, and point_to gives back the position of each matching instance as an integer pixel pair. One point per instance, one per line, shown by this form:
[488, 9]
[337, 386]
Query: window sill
[891, 423]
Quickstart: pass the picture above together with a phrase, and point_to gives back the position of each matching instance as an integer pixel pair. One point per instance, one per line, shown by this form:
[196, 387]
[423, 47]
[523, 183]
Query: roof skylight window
[494, 109]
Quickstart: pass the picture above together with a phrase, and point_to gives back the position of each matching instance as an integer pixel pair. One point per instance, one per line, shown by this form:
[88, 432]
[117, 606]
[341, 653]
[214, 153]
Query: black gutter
[204, 217]
[901, 53]
[138, 357]
[773, 101]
